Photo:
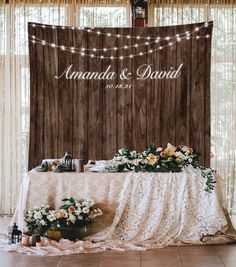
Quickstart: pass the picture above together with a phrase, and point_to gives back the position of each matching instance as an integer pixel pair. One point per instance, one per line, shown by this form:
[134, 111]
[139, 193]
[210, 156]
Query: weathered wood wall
[93, 121]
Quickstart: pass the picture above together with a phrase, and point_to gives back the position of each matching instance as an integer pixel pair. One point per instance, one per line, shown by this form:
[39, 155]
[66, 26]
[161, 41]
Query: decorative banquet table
[144, 209]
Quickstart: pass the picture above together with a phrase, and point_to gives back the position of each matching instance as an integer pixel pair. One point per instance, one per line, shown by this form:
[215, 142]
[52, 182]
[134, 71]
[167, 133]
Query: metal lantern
[140, 13]
[15, 235]
[139, 9]
[67, 161]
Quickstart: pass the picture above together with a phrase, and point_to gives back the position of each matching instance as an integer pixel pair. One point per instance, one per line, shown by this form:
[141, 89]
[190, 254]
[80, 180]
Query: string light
[73, 49]
[158, 39]
[171, 40]
[206, 24]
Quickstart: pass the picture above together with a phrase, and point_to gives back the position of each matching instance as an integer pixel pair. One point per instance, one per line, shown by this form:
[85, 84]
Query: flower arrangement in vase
[70, 217]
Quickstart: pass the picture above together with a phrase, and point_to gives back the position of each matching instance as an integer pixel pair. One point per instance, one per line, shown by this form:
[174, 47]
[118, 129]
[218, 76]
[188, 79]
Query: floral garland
[72, 213]
[159, 159]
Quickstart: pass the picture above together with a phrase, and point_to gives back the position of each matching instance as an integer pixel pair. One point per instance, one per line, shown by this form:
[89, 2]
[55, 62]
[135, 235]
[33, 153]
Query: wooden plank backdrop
[93, 118]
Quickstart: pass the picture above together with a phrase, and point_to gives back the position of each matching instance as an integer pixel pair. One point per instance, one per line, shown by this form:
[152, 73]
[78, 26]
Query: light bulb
[62, 47]
[104, 49]
[138, 37]
[53, 45]
[136, 45]
[131, 56]
[125, 47]
[121, 57]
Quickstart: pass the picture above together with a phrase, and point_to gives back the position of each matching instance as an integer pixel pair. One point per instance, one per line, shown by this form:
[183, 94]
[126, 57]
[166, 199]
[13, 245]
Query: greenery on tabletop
[159, 159]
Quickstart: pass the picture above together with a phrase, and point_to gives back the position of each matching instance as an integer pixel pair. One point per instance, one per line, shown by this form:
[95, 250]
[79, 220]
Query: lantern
[139, 9]
[140, 13]
[67, 161]
[15, 235]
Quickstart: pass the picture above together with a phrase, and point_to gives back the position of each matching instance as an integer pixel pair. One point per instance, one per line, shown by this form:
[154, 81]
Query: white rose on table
[135, 162]
[133, 153]
[179, 155]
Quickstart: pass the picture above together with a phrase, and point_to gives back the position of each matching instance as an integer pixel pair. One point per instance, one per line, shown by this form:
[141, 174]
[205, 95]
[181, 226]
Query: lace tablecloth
[140, 209]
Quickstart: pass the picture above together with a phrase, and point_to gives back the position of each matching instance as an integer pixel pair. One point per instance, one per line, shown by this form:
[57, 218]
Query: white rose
[37, 215]
[135, 162]
[72, 218]
[43, 222]
[51, 218]
[190, 160]
[159, 149]
[179, 155]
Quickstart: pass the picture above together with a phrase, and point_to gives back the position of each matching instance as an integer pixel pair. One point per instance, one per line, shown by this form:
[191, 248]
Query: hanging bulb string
[109, 34]
[72, 50]
[157, 40]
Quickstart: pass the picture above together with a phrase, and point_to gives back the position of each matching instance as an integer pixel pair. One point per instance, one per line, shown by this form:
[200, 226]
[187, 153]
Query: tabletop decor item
[68, 221]
[43, 167]
[159, 159]
[67, 161]
[14, 235]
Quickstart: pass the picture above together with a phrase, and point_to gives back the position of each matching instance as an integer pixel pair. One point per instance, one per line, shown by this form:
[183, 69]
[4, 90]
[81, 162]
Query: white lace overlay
[153, 210]
[165, 208]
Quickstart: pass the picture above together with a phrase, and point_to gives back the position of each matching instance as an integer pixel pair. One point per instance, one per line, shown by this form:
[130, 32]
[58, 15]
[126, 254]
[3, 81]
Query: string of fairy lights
[149, 40]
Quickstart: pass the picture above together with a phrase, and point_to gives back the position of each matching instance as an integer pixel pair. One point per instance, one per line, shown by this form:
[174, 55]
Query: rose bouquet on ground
[159, 159]
[72, 213]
